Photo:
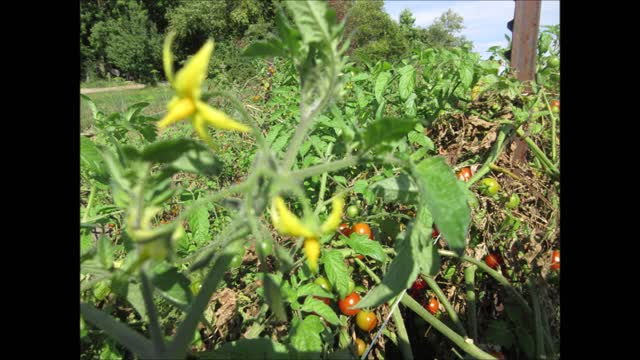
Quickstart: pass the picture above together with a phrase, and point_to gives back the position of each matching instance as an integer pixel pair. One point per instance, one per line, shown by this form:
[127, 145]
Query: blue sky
[485, 22]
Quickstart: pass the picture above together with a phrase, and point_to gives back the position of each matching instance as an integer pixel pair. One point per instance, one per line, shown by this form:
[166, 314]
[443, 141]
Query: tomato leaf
[399, 188]
[92, 159]
[265, 48]
[425, 253]
[199, 225]
[446, 199]
[105, 252]
[171, 284]
[273, 295]
[183, 155]
[387, 130]
[401, 274]
[407, 81]
[309, 17]
[364, 246]
[337, 271]
[248, 349]
[312, 289]
[498, 333]
[381, 84]
[306, 335]
[313, 305]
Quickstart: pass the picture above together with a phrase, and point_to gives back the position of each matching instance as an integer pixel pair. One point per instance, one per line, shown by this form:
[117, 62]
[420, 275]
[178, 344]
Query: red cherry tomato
[493, 260]
[323, 299]
[555, 260]
[362, 229]
[433, 306]
[464, 174]
[419, 284]
[435, 232]
[349, 301]
[345, 230]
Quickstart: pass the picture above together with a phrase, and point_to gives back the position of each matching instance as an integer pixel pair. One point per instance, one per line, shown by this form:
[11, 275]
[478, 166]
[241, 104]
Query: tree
[442, 33]
[407, 24]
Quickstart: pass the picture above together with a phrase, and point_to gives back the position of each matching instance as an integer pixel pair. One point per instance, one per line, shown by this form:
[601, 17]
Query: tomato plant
[349, 301]
[366, 320]
[362, 229]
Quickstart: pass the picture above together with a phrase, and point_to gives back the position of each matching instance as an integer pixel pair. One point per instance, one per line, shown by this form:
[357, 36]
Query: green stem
[444, 301]
[539, 153]
[323, 184]
[154, 326]
[494, 274]
[503, 170]
[466, 345]
[553, 128]
[92, 194]
[323, 168]
[469, 279]
[537, 319]
[403, 338]
[493, 156]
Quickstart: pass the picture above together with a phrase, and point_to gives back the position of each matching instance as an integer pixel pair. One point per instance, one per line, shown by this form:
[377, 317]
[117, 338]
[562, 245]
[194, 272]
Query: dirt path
[114, 88]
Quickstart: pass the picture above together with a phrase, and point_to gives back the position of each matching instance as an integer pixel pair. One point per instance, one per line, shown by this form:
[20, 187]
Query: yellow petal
[189, 79]
[167, 56]
[312, 251]
[173, 102]
[200, 127]
[286, 222]
[180, 110]
[335, 218]
[218, 119]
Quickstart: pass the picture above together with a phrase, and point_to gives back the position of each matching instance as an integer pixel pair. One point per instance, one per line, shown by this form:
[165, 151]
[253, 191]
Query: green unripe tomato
[489, 186]
[324, 283]
[353, 211]
[554, 61]
[513, 202]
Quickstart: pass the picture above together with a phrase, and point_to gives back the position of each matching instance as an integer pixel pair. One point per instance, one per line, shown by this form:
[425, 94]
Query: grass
[118, 101]
[98, 83]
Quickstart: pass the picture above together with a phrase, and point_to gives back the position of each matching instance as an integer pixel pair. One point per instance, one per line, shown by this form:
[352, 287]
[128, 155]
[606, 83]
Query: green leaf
[367, 247]
[337, 271]
[306, 335]
[309, 17]
[184, 155]
[92, 105]
[410, 106]
[401, 274]
[399, 188]
[86, 241]
[381, 84]
[280, 143]
[498, 333]
[525, 342]
[199, 225]
[313, 305]
[360, 186]
[387, 130]
[466, 75]
[421, 139]
[446, 199]
[407, 81]
[273, 295]
[117, 330]
[424, 252]
[92, 158]
[248, 349]
[172, 285]
[265, 48]
[312, 289]
[105, 252]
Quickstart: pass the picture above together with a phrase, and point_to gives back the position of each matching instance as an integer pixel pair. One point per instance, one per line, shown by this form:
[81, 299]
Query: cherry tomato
[195, 287]
[256, 98]
[493, 260]
[489, 186]
[555, 106]
[555, 260]
[498, 355]
[362, 229]
[349, 301]
[464, 174]
[360, 346]
[236, 261]
[435, 232]
[324, 283]
[433, 306]
[324, 299]
[112, 225]
[554, 61]
[419, 284]
[265, 247]
[353, 211]
[345, 229]
[366, 320]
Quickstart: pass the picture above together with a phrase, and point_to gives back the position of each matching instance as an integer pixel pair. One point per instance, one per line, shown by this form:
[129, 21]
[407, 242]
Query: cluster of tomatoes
[494, 259]
[365, 320]
[418, 294]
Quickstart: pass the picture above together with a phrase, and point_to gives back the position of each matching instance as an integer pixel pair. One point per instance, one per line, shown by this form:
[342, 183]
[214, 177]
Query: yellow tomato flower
[186, 104]
[287, 223]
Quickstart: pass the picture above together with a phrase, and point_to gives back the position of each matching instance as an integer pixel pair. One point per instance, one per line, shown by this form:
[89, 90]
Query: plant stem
[466, 345]
[469, 279]
[154, 326]
[494, 274]
[539, 153]
[403, 338]
[444, 301]
[323, 183]
[537, 320]
[326, 167]
[493, 155]
[92, 194]
[553, 128]
[503, 170]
